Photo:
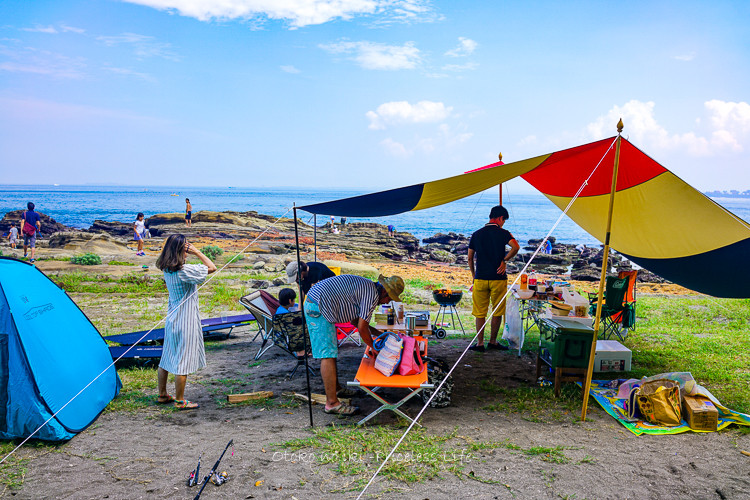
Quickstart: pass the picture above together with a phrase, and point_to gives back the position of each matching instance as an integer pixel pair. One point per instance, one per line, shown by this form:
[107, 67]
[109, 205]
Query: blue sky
[363, 93]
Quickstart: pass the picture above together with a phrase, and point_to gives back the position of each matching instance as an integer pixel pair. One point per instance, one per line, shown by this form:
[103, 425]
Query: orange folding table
[370, 380]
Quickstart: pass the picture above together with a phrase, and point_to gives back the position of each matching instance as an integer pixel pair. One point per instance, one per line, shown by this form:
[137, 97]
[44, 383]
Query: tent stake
[304, 323]
[602, 281]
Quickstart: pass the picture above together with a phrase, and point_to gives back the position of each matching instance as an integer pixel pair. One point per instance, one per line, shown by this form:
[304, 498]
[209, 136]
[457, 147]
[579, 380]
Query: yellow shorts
[484, 290]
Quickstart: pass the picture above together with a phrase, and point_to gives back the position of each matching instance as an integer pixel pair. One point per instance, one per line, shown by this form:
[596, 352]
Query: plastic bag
[513, 329]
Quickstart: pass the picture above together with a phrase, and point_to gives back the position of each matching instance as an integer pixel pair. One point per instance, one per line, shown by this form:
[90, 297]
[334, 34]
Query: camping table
[370, 380]
[533, 311]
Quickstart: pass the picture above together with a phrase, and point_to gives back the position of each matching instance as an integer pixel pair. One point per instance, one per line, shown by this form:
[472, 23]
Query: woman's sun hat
[393, 285]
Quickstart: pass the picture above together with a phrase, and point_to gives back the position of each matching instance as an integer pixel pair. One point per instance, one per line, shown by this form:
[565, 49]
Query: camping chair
[370, 380]
[345, 332]
[263, 306]
[618, 308]
[287, 333]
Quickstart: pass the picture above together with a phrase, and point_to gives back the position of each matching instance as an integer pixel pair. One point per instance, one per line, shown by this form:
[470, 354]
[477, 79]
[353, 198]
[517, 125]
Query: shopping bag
[411, 359]
[389, 347]
[513, 330]
[660, 403]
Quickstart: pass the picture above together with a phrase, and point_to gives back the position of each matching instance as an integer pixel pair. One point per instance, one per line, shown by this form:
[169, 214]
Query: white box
[612, 356]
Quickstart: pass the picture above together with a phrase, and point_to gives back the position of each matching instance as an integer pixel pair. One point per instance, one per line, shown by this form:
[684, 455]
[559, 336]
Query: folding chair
[618, 309]
[345, 332]
[263, 306]
[288, 334]
[370, 380]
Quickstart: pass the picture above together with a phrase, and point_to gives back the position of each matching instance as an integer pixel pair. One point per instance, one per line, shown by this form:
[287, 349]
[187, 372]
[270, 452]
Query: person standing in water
[188, 213]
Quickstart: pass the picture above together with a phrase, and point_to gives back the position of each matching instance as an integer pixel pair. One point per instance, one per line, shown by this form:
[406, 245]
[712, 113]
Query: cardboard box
[612, 356]
[700, 413]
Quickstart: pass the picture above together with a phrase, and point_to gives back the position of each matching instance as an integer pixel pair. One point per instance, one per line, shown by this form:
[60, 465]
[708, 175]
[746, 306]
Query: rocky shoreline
[358, 241]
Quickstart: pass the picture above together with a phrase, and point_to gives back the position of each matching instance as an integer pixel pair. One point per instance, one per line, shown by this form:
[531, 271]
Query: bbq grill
[447, 300]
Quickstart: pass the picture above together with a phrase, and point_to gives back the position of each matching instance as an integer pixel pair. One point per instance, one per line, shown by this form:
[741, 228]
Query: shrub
[87, 259]
[212, 251]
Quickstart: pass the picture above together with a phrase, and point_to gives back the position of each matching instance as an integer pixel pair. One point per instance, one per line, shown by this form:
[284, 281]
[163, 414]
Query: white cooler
[611, 356]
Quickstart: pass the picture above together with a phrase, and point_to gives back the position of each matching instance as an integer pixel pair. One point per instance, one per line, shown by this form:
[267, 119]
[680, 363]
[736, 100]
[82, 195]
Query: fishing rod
[207, 479]
[193, 479]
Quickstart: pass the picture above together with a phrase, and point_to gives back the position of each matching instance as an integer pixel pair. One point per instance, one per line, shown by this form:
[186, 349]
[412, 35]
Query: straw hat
[393, 285]
[291, 272]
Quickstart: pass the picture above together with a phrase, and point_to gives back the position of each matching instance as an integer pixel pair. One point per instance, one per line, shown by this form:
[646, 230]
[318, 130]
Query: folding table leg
[385, 405]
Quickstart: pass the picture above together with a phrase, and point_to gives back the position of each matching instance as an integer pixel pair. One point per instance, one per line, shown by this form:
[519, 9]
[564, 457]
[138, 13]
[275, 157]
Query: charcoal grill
[447, 300]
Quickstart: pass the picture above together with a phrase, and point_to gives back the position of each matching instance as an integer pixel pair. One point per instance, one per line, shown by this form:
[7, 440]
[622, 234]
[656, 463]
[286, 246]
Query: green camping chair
[618, 313]
[288, 335]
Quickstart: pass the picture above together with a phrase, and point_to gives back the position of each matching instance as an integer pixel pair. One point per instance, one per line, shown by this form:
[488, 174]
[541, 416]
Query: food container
[525, 294]
[560, 308]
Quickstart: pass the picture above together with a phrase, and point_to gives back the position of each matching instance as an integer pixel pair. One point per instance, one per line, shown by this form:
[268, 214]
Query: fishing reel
[192, 479]
[219, 478]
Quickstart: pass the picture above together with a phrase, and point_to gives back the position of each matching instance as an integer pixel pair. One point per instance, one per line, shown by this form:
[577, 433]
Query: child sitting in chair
[287, 296]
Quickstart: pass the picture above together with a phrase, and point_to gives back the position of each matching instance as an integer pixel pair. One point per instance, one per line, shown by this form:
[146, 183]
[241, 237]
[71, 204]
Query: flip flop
[165, 401]
[342, 409]
[184, 404]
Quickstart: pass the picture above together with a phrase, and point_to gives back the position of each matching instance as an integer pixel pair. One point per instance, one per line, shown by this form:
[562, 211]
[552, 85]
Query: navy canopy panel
[50, 352]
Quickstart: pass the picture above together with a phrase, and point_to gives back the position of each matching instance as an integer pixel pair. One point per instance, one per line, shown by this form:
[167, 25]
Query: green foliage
[119, 263]
[87, 259]
[130, 284]
[212, 251]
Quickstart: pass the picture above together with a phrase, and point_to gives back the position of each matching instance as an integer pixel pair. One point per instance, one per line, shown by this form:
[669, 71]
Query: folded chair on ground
[369, 379]
[213, 329]
[262, 305]
[287, 333]
[618, 308]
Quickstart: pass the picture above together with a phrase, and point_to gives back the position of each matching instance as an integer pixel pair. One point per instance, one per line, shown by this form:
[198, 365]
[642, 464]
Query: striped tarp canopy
[659, 221]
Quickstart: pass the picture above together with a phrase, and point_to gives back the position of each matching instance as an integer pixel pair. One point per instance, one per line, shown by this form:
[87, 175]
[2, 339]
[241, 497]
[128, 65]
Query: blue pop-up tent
[49, 351]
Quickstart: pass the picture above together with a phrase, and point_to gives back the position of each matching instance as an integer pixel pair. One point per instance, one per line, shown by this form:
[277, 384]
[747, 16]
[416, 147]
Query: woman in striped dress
[183, 336]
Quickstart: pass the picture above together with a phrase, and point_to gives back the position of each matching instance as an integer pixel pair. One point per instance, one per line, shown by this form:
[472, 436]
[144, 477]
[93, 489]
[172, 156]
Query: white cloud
[297, 13]
[466, 47]
[41, 29]
[460, 67]
[395, 148]
[130, 72]
[371, 55]
[685, 57]
[401, 112]
[143, 45]
[42, 62]
[289, 69]
[72, 29]
[729, 128]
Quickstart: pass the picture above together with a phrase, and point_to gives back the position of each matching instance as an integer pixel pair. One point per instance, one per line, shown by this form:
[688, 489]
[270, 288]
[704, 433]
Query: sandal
[165, 400]
[342, 409]
[346, 392]
[184, 404]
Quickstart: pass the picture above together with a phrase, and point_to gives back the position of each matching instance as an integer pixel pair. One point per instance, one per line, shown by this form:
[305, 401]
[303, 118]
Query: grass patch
[119, 263]
[133, 284]
[138, 388]
[423, 284]
[13, 470]
[537, 404]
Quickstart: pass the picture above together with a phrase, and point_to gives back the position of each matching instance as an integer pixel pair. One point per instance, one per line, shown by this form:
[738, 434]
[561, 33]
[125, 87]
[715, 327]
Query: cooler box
[611, 356]
[566, 343]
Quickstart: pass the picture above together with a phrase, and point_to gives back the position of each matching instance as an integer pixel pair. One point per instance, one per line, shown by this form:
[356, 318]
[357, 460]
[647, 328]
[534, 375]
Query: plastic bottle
[524, 281]
[391, 316]
[400, 313]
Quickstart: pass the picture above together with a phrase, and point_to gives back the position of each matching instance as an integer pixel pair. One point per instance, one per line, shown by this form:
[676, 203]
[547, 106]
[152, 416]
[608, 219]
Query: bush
[87, 259]
[212, 251]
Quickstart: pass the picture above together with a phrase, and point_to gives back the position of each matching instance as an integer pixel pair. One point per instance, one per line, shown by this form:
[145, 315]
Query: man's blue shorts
[322, 333]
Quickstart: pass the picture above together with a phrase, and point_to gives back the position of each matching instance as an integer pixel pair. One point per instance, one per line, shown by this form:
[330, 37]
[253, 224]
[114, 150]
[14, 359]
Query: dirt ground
[148, 454]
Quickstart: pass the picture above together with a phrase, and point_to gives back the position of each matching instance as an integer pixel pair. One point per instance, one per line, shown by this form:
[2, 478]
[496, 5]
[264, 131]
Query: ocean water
[531, 215]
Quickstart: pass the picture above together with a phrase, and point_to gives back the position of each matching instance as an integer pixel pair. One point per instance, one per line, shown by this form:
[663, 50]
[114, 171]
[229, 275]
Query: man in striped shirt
[344, 299]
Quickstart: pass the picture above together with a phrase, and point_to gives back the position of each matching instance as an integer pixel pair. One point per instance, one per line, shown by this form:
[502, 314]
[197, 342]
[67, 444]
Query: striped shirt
[183, 336]
[345, 298]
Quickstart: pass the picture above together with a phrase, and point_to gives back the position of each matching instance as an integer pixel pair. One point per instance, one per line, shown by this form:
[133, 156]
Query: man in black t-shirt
[490, 281]
[311, 273]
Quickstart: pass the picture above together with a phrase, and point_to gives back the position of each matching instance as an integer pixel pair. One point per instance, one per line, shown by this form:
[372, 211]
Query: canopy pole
[315, 236]
[500, 186]
[304, 323]
[602, 281]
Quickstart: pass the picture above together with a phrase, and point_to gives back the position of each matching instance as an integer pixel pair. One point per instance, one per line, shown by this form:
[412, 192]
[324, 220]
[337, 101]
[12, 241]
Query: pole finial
[500, 156]
[620, 126]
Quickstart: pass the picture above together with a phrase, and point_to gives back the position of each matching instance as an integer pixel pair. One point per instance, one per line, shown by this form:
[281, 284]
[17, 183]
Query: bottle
[391, 316]
[524, 281]
[400, 313]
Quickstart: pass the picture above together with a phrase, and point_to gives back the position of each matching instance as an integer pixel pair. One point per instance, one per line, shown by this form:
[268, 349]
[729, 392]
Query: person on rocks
[31, 224]
[13, 235]
[344, 299]
[490, 281]
[183, 352]
[391, 230]
[188, 213]
[310, 272]
[139, 233]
